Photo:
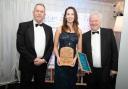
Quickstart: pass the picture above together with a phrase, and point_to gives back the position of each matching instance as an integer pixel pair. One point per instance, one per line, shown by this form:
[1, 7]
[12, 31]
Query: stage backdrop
[12, 12]
[122, 78]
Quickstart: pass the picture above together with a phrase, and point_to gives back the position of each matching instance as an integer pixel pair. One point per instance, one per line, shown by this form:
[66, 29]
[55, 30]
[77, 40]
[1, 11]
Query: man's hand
[113, 72]
[39, 61]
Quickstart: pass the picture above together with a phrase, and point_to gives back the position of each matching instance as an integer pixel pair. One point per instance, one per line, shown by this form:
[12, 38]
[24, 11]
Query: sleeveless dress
[65, 76]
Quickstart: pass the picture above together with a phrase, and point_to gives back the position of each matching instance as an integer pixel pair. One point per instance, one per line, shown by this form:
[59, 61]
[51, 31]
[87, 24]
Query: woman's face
[70, 16]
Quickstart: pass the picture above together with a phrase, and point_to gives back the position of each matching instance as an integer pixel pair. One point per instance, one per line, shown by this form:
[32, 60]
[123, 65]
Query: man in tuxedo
[100, 47]
[35, 45]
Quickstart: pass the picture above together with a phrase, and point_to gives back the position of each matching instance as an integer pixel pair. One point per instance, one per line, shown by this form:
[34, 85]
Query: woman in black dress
[68, 35]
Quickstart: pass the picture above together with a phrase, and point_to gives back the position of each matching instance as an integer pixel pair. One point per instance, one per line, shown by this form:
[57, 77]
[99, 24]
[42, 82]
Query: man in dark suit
[100, 46]
[35, 45]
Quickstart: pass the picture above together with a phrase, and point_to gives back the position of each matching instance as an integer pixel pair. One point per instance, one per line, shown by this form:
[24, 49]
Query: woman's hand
[58, 61]
[74, 62]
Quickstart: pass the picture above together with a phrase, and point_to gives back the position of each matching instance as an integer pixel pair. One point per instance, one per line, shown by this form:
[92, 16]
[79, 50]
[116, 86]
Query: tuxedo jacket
[109, 52]
[25, 44]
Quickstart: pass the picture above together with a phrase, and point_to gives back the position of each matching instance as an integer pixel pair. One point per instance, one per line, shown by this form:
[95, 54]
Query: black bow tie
[95, 32]
[38, 25]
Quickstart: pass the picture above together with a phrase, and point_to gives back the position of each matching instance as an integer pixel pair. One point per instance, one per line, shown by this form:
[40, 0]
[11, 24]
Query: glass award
[84, 65]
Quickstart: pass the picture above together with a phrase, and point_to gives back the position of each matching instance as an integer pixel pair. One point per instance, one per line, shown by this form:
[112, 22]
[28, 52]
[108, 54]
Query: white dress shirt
[96, 49]
[39, 40]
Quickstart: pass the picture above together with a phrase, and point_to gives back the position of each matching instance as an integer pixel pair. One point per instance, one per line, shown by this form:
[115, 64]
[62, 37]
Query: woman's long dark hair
[65, 27]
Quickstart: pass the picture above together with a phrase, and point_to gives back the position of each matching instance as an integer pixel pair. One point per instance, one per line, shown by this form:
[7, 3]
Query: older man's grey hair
[96, 13]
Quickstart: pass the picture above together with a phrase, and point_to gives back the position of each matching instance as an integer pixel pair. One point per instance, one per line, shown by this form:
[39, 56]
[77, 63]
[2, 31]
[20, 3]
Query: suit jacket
[25, 44]
[109, 52]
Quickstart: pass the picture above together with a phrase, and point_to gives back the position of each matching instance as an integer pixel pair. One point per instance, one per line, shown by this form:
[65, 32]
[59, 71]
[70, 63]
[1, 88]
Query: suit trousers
[33, 78]
[99, 79]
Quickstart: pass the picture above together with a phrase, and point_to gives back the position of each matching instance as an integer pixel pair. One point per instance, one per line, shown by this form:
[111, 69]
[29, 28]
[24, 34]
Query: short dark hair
[41, 4]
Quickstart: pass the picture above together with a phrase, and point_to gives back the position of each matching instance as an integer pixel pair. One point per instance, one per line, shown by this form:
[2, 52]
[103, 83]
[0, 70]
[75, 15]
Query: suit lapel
[102, 44]
[31, 33]
[89, 41]
[46, 33]
[89, 47]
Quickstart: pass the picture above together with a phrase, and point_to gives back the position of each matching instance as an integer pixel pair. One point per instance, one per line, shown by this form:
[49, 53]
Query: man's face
[94, 22]
[39, 13]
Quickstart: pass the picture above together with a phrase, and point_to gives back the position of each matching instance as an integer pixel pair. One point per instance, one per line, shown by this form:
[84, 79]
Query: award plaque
[83, 61]
[66, 56]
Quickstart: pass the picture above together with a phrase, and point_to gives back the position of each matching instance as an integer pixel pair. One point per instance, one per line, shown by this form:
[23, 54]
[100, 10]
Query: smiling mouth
[38, 16]
[70, 19]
